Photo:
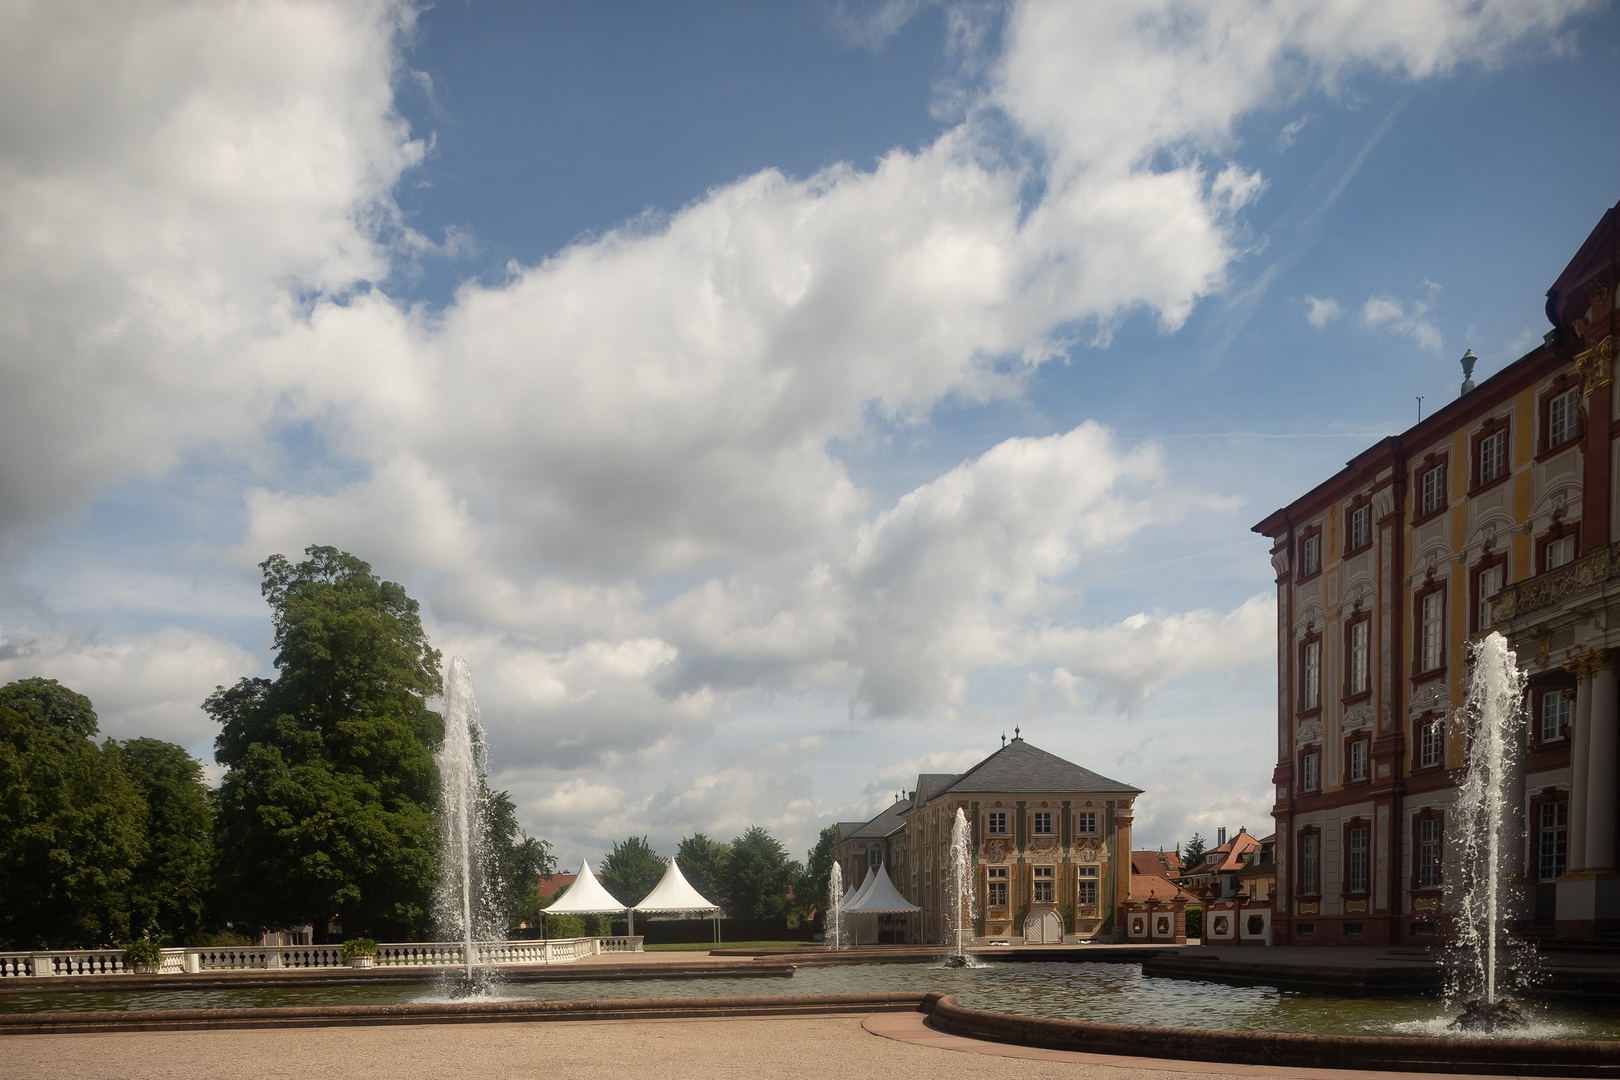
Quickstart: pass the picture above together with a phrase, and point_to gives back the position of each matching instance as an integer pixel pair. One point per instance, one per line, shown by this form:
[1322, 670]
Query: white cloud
[1321, 312]
[1289, 132]
[1404, 318]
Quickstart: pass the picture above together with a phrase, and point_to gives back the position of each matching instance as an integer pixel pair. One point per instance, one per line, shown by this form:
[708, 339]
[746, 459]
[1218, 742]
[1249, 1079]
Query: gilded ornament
[1596, 364]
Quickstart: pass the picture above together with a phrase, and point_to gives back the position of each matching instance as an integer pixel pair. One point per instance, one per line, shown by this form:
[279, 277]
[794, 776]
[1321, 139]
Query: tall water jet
[1489, 834]
[465, 905]
[835, 908]
[959, 891]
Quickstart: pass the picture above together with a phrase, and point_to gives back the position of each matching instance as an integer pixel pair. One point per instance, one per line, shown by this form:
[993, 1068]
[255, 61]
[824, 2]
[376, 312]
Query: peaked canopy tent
[585, 896]
[878, 896]
[674, 893]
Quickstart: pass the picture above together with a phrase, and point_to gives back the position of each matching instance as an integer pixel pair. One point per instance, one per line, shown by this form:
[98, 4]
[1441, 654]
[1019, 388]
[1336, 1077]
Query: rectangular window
[1359, 634]
[1560, 552]
[1433, 632]
[1355, 859]
[1554, 714]
[1428, 854]
[996, 825]
[1360, 528]
[1561, 418]
[1430, 744]
[1434, 490]
[996, 893]
[1311, 770]
[1086, 887]
[1043, 823]
[1490, 583]
[1086, 822]
[1045, 885]
[1358, 760]
[1492, 456]
[1310, 864]
[1312, 681]
[1552, 840]
[1311, 555]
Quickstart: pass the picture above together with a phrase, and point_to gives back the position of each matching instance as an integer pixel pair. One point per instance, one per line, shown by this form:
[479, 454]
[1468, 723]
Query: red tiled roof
[1162, 863]
[1154, 887]
[553, 884]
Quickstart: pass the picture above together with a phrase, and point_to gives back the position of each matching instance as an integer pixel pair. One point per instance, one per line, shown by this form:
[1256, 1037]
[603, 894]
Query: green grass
[705, 946]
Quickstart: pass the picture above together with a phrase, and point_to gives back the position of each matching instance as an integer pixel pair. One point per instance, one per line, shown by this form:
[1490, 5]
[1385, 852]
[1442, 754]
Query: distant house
[552, 884]
[1244, 918]
[1216, 875]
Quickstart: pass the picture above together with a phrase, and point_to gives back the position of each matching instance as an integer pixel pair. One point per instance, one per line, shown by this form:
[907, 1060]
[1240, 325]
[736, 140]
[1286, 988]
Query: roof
[1153, 887]
[1231, 855]
[1020, 767]
[1161, 863]
[674, 893]
[585, 896]
[887, 823]
[879, 896]
[552, 884]
[930, 784]
[847, 829]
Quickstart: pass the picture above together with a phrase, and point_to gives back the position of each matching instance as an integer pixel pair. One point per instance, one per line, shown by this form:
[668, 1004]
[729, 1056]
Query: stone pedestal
[1588, 904]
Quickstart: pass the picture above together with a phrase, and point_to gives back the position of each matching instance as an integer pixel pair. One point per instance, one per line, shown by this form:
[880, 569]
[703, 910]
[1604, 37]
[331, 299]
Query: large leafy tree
[72, 824]
[170, 888]
[706, 864]
[631, 870]
[325, 810]
[811, 892]
[760, 877]
[518, 861]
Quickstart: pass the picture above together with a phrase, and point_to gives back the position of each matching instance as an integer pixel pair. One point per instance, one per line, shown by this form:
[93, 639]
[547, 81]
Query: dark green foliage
[1192, 854]
[706, 865]
[760, 877]
[811, 892]
[171, 884]
[631, 870]
[145, 952]
[564, 926]
[325, 810]
[519, 861]
[72, 824]
[1195, 921]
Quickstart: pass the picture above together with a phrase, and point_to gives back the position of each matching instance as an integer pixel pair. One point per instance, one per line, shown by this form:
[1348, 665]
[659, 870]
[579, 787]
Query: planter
[362, 961]
[148, 969]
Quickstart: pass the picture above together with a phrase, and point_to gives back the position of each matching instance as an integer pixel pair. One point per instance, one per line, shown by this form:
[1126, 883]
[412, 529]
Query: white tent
[585, 896]
[880, 897]
[866, 886]
[675, 893]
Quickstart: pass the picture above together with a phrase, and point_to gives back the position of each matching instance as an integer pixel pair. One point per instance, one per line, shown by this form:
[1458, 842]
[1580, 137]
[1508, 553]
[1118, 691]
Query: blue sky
[769, 401]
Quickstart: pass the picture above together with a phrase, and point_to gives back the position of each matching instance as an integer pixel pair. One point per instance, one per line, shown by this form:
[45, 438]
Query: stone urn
[362, 961]
[148, 969]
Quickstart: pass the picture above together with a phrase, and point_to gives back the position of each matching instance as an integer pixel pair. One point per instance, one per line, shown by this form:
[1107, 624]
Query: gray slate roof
[887, 823]
[1020, 767]
[930, 784]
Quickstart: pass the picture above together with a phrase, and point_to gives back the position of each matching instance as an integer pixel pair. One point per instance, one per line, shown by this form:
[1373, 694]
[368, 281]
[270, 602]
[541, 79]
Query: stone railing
[274, 957]
[1545, 590]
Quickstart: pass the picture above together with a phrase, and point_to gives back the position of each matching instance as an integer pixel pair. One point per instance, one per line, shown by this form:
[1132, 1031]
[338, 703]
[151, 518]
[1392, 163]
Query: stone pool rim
[1522, 1057]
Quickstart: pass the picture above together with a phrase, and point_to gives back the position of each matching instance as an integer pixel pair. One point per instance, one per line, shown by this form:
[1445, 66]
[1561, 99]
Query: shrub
[1195, 922]
[143, 952]
[564, 926]
[359, 946]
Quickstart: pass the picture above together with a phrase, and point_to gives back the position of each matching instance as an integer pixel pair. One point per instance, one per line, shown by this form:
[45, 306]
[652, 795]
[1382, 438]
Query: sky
[769, 402]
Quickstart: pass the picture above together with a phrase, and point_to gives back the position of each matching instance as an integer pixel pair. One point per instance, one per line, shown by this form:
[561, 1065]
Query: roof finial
[1017, 736]
[1003, 738]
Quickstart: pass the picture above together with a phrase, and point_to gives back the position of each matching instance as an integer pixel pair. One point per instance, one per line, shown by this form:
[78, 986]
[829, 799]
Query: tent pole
[631, 912]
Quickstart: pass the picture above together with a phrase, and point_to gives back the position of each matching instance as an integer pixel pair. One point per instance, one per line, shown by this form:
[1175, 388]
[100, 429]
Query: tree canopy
[811, 892]
[518, 861]
[325, 810]
[631, 870]
[706, 865]
[170, 888]
[1192, 854]
[761, 876]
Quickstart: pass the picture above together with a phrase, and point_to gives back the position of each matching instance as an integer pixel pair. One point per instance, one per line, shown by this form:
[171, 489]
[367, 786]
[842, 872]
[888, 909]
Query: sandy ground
[834, 1048]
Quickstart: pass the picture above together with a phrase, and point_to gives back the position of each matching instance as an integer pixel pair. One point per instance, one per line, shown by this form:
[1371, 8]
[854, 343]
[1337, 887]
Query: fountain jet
[465, 904]
[959, 892]
[835, 908]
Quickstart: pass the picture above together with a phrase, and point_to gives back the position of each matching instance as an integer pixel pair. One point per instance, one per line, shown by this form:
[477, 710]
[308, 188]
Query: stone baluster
[1600, 761]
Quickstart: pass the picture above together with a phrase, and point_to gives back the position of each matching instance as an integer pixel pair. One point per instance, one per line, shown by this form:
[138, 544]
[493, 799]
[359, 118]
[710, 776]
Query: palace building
[1050, 849]
[1497, 512]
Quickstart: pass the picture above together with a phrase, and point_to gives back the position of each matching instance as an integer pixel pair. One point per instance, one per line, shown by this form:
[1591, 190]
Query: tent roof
[851, 900]
[881, 897]
[585, 896]
[675, 893]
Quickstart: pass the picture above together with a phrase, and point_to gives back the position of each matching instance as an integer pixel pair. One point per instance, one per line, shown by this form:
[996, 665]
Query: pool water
[1107, 993]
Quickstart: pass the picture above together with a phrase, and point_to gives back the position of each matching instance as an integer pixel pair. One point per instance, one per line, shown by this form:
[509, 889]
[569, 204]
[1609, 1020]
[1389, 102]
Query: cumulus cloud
[1405, 318]
[1321, 312]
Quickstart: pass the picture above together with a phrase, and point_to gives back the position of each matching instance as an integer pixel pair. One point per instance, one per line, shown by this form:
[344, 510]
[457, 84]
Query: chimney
[1220, 836]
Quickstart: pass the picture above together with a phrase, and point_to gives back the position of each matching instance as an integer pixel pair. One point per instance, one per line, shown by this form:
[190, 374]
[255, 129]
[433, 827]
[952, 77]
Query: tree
[631, 870]
[761, 876]
[1192, 854]
[519, 861]
[706, 864]
[325, 808]
[72, 824]
[811, 892]
[171, 884]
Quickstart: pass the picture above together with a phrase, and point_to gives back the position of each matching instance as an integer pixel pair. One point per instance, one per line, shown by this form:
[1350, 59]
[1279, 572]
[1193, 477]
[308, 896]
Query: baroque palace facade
[1050, 844]
[1500, 511]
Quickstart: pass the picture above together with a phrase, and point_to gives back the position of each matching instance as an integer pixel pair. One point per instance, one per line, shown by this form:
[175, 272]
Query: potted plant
[143, 957]
[360, 952]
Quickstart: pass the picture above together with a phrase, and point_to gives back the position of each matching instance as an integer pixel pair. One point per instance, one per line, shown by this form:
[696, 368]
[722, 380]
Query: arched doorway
[1043, 928]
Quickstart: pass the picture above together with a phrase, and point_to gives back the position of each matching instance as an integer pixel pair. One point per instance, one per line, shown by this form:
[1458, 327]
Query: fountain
[1489, 834]
[465, 904]
[959, 892]
[835, 908]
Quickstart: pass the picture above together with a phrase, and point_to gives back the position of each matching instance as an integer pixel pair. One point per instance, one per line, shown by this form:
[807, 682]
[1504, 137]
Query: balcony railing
[1545, 590]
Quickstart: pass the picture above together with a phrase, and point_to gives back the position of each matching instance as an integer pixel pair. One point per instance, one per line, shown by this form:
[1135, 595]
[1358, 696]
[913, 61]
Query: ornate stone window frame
[1359, 503]
[1344, 871]
[1354, 738]
[1315, 832]
[1492, 426]
[1429, 813]
[1358, 617]
[1306, 535]
[1430, 462]
[1487, 560]
[1304, 707]
[1569, 380]
[1422, 592]
[1558, 530]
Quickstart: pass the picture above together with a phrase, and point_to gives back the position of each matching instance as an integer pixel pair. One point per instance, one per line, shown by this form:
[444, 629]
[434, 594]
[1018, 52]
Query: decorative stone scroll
[1430, 697]
[1544, 590]
[995, 850]
[1358, 716]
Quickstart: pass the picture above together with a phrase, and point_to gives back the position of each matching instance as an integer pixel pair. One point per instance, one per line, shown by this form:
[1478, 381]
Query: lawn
[704, 946]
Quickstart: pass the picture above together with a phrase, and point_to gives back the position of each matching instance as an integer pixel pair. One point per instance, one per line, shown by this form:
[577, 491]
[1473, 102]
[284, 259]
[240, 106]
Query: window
[997, 823]
[1086, 887]
[996, 893]
[1360, 530]
[1492, 456]
[1432, 639]
[1562, 417]
[1433, 488]
[1310, 863]
[1358, 760]
[1431, 742]
[1554, 715]
[1086, 822]
[1552, 839]
[1487, 584]
[1355, 859]
[1428, 853]
[1045, 885]
[1311, 681]
[1043, 823]
[1560, 552]
[1359, 634]
[1310, 555]
[1310, 771]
